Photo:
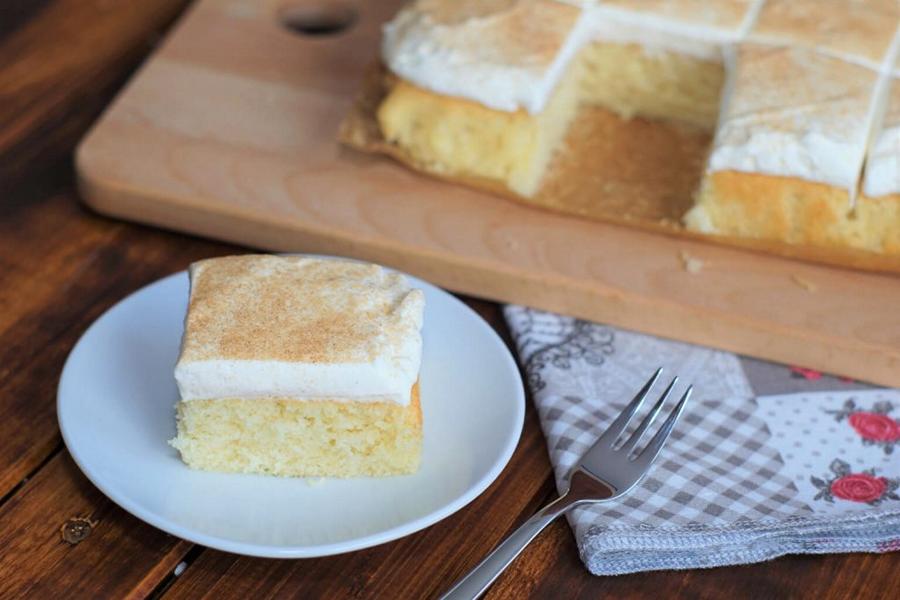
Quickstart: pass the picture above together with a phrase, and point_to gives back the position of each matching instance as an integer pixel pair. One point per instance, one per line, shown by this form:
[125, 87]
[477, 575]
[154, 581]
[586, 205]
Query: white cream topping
[883, 164]
[382, 380]
[882, 171]
[380, 364]
[811, 155]
[882, 174]
[792, 112]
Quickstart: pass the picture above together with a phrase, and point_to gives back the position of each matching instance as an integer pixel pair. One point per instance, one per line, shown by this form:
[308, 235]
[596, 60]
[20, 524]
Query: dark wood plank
[120, 557]
[59, 64]
[15, 13]
[58, 68]
[52, 291]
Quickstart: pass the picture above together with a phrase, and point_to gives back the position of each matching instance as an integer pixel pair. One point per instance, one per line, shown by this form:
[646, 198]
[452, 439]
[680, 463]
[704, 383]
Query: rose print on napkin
[875, 427]
[865, 486]
[839, 434]
[812, 374]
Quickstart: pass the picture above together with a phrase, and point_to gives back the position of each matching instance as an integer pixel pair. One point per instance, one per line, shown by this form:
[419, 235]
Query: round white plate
[116, 410]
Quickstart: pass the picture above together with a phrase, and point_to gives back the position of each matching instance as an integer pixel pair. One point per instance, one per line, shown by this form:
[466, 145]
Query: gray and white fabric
[767, 459]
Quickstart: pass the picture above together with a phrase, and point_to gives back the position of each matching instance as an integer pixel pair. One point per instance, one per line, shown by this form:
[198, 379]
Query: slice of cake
[297, 366]
[478, 99]
[788, 154]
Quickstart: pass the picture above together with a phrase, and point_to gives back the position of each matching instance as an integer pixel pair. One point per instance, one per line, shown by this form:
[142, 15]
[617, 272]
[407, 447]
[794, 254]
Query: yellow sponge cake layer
[792, 210]
[452, 137]
[287, 437]
[877, 223]
[631, 81]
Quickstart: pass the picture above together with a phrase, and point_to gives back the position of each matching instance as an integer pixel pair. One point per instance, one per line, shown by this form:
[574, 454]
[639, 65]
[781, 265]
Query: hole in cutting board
[321, 18]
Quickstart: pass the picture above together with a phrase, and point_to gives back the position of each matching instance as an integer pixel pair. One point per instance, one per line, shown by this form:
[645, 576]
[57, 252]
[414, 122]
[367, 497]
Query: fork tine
[629, 445]
[618, 426]
[646, 456]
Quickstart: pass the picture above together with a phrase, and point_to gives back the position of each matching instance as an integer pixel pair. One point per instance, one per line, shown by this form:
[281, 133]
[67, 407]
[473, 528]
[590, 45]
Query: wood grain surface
[230, 132]
[61, 266]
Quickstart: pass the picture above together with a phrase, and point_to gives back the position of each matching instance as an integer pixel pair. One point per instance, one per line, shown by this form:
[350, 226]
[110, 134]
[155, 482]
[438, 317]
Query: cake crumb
[511, 244]
[315, 481]
[691, 264]
[806, 284]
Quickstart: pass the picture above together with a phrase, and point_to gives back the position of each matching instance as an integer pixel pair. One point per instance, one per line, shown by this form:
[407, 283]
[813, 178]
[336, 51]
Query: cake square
[514, 52]
[857, 31]
[796, 113]
[298, 366]
[788, 154]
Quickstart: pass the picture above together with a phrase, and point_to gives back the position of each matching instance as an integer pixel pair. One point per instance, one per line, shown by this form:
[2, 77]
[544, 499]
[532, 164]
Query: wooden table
[61, 61]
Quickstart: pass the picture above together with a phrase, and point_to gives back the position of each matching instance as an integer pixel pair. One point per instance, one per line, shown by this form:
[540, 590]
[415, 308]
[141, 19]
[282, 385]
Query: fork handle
[478, 579]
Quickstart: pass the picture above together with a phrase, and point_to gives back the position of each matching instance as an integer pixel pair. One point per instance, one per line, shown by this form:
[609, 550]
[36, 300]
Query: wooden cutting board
[229, 132]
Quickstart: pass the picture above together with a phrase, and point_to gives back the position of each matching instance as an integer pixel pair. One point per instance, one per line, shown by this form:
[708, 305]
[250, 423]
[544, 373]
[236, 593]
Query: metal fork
[605, 472]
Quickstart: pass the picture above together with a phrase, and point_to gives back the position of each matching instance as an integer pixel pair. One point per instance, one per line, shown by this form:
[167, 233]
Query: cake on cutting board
[297, 366]
[773, 124]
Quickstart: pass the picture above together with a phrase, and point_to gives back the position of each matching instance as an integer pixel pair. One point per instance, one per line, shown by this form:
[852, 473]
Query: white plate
[116, 410]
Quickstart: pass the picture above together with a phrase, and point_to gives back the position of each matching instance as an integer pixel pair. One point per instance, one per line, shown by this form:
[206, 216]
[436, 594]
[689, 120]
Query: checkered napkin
[766, 460]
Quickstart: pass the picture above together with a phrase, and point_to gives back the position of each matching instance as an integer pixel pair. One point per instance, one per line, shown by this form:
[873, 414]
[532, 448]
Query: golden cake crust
[804, 213]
